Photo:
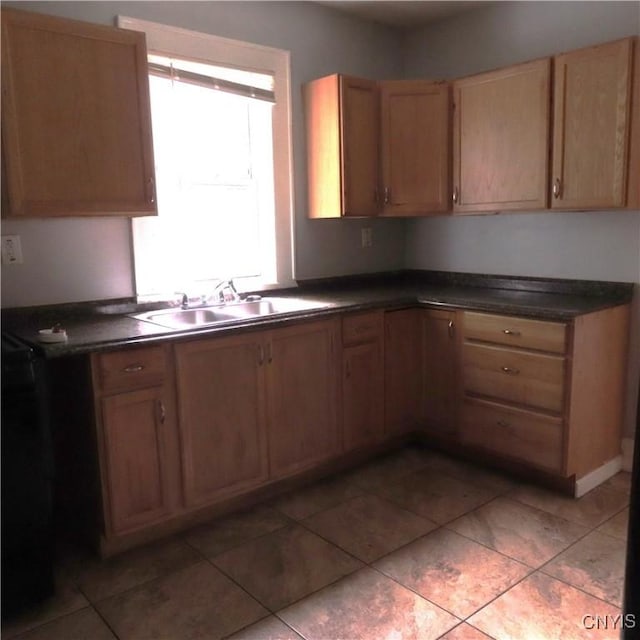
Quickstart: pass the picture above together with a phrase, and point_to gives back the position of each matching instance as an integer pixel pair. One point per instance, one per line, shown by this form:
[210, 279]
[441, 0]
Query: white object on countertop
[49, 335]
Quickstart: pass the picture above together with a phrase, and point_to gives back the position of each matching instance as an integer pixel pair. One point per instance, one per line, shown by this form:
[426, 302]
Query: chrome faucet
[226, 291]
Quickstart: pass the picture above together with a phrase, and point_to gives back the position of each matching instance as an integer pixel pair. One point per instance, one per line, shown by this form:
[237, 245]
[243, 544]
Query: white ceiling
[404, 14]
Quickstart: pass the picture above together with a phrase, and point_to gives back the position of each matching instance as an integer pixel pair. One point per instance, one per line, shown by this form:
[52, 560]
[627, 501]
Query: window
[221, 127]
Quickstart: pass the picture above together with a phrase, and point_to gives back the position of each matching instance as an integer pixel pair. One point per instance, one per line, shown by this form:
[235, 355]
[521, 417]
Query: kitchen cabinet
[303, 378]
[592, 119]
[415, 147]
[76, 124]
[362, 379]
[342, 124]
[545, 393]
[439, 372]
[377, 148]
[501, 139]
[222, 416]
[402, 371]
[136, 434]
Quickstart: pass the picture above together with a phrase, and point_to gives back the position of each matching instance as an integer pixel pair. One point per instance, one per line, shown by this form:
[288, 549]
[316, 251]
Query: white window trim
[168, 40]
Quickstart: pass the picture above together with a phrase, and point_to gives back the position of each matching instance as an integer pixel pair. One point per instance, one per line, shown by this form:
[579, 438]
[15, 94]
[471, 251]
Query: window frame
[174, 41]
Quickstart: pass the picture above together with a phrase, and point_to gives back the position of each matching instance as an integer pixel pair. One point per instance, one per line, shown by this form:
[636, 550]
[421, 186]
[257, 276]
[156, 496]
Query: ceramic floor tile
[435, 495]
[519, 531]
[590, 510]
[286, 565]
[270, 628]
[457, 574]
[541, 607]
[595, 564]
[198, 602]
[317, 497]
[618, 526]
[465, 631]
[85, 624]
[620, 482]
[368, 527]
[389, 468]
[367, 605]
[231, 531]
[99, 579]
[469, 472]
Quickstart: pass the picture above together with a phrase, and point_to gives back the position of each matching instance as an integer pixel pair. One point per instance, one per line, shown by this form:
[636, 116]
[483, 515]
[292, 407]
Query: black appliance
[631, 620]
[27, 479]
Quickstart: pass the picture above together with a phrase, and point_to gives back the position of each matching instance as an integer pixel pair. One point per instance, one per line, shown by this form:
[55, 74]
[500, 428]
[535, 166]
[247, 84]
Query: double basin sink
[181, 319]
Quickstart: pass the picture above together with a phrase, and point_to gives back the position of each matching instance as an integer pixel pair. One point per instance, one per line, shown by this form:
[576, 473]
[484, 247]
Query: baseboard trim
[627, 454]
[597, 476]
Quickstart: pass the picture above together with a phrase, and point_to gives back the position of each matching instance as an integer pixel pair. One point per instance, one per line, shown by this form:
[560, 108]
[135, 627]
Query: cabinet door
[591, 127]
[302, 382]
[402, 375]
[76, 121]
[439, 391]
[134, 458]
[221, 409]
[501, 139]
[362, 394]
[415, 147]
[360, 146]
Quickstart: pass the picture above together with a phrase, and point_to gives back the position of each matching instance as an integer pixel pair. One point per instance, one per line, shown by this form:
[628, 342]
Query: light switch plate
[11, 250]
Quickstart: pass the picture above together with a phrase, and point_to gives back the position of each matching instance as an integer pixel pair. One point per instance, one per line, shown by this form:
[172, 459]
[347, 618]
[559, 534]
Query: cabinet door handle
[450, 328]
[152, 190]
[387, 195]
[133, 368]
[557, 188]
[455, 195]
[503, 424]
[163, 412]
[269, 353]
[511, 332]
[260, 355]
[511, 371]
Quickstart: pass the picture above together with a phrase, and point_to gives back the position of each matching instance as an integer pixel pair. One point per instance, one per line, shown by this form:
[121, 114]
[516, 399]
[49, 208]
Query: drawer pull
[502, 423]
[133, 368]
[511, 371]
[510, 332]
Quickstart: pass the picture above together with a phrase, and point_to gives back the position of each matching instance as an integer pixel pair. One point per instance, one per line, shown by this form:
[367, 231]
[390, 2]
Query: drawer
[532, 379]
[362, 327]
[516, 332]
[520, 434]
[130, 368]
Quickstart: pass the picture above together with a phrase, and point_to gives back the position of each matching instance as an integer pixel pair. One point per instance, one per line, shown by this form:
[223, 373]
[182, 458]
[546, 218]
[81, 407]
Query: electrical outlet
[366, 237]
[11, 250]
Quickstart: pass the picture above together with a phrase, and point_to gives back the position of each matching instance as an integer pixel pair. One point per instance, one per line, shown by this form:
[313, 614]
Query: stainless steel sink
[234, 312]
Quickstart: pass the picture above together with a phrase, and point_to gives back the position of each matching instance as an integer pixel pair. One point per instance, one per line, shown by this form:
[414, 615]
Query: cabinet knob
[455, 195]
[557, 188]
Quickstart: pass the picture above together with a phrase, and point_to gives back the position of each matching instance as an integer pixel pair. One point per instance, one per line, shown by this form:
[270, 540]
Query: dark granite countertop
[103, 325]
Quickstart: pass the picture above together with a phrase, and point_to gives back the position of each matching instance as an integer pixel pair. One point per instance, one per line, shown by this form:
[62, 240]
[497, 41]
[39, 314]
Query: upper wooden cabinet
[376, 148]
[76, 125]
[416, 140]
[501, 139]
[592, 117]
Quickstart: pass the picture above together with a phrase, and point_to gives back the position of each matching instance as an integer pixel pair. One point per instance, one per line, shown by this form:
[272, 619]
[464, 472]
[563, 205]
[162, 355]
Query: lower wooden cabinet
[302, 392]
[221, 416]
[136, 435]
[362, 379]
[439, 372]
[402, 371]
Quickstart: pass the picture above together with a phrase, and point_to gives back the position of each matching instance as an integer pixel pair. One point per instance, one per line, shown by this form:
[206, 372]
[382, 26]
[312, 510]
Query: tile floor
[411, 545]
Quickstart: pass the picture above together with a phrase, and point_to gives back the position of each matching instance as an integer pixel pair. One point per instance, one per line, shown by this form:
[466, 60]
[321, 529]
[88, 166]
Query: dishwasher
[27, 479]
